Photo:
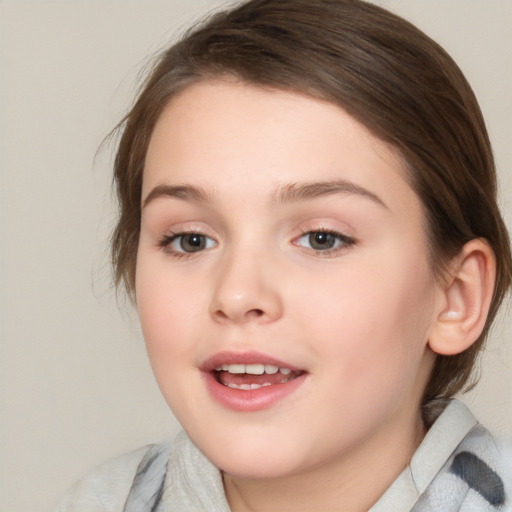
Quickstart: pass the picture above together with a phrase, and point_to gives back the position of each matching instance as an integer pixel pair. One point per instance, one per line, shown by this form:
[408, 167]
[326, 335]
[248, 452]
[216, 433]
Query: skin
[356, 319]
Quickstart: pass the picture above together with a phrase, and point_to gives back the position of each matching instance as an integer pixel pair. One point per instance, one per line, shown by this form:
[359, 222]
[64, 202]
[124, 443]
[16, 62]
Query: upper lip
[247, 357]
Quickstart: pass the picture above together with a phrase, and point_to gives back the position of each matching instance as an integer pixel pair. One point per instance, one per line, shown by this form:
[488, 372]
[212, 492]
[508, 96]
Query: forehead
[220, 133]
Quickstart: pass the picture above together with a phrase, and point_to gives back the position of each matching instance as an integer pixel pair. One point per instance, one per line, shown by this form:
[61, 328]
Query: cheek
[163, 305]
[372, 320]
[167, 321]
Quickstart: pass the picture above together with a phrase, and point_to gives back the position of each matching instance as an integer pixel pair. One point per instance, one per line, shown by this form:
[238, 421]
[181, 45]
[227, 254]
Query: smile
[253, 376]
[249, 381]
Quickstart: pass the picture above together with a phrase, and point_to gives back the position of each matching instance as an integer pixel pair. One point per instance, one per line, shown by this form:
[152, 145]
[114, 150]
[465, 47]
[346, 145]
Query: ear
[465, 301]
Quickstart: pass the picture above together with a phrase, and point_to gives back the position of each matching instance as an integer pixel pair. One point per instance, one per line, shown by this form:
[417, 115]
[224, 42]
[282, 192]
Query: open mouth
[250, 381]
[253, 376]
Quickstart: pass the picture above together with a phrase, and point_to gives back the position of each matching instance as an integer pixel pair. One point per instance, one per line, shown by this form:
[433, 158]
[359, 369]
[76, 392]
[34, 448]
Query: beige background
[75, 384]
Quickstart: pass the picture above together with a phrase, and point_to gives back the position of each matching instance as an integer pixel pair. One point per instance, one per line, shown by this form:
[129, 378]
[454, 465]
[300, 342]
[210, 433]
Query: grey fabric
[479, 477]
[181, 479]
[147, 488]
[193, 483]
[474, 478]
[457, 468]
[106, 488]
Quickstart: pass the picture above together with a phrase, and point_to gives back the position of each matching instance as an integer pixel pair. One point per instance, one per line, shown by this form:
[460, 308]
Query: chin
[256, 461]
[260, 470]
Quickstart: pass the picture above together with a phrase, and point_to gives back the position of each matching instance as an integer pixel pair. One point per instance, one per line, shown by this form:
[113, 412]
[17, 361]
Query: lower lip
[250, 400]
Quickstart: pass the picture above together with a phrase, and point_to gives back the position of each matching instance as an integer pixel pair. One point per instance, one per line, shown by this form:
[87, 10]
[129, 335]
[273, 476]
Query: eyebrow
[289, 193]
[293, 192]
[183, 192]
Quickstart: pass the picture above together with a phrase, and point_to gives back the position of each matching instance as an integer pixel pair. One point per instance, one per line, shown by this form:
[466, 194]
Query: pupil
[322, 240]
[192, 243]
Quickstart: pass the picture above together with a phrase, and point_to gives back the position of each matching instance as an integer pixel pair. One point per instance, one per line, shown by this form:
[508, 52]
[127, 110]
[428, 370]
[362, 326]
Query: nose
[246, 290]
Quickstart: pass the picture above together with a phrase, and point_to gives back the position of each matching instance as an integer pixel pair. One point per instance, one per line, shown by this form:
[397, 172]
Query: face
[282, 280]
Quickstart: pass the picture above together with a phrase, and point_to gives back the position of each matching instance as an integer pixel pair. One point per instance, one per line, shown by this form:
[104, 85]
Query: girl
[309, 230]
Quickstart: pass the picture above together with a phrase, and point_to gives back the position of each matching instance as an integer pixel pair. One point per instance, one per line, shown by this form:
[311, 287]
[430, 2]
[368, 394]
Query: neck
[351, 483]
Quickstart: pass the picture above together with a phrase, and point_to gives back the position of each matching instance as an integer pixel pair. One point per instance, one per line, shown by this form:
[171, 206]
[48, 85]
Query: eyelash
[344, 242]
[167, 240]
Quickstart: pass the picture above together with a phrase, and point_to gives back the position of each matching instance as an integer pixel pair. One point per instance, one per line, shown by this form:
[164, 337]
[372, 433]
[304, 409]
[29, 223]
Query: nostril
[220, 314]
[255, 313]
[239, 316]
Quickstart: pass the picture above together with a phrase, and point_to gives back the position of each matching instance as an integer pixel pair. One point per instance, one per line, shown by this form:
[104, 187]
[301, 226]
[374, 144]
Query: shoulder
[505, 449]
[475, 466]
[107, 487]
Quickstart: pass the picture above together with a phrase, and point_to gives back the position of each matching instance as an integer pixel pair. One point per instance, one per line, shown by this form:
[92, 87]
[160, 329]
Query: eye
[324, 241]
[187, 242]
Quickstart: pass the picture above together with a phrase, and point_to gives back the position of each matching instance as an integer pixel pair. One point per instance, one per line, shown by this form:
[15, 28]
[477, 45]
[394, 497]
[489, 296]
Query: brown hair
[384, 72]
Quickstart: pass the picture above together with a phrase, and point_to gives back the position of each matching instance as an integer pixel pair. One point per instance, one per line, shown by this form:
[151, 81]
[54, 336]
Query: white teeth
[247, 387]
[236, 368]
[252, 369]
[255, 369]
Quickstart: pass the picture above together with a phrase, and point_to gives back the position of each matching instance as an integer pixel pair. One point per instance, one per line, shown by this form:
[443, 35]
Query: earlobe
[466, 300]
